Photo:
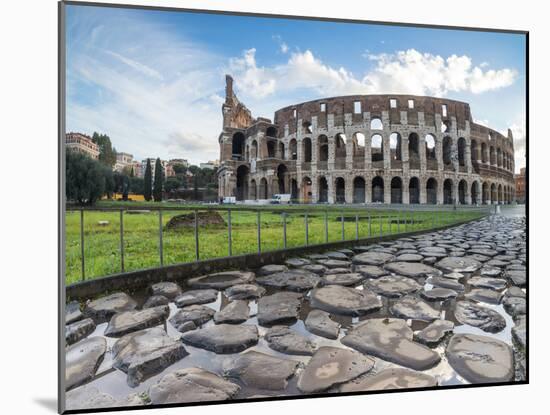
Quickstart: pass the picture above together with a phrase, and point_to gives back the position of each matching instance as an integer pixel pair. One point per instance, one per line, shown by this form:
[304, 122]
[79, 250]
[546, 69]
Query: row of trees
[87, 180]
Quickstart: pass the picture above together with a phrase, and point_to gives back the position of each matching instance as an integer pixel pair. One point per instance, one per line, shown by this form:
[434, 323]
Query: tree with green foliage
[137, 185]
[171, 184]
[109, 181]
[179, 169]
[147, 181]
[157, 184]
[107, 153]
[84, 178]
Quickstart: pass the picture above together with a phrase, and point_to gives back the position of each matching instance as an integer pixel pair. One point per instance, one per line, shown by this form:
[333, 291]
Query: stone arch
[293, 189]
[448, 197]
[474, 151]
[264, 190]
[241, 191]
[323, 189]
[253, 150]
[377, 189]
[430, 147]
[431, 191]
[323, 148]
[484, 153]
[358, 190]
[293, 149]
[492, 156]
[340, 146]
[282, 178]
[271, 149]
[237, 146]
[494, 196]
[271, 132]
[499, 157]
[395, 146]
[376, 124]
[306, 149]
[461, 144]
[462, 191]
[414, 190]
[445, 126]
[474, 193]
[252, 190]
[447, 150]
[499, 194]
[282, 150]
[340, 190]
[377, 149]
[396, 186]
[307, 127]
[414, 148]
[358, 143]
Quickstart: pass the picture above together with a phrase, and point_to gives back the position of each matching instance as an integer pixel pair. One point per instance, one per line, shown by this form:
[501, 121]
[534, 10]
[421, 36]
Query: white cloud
[520, 142]
[284, 47]
[144, 69]
[406, 72]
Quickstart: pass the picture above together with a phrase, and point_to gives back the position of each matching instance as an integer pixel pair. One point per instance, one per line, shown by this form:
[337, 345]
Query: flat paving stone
[292, 280]
[279, 308]
[393, 286]
[412, 269]
[102, 309]
[409, 258]
[458, 264]
[72, 312]
[438, 294]
[414, 308]
[391, 339]
[235, 312]
[515, 306]
[223, 338]
[167, 289]
[196, 313]
[445, 283]
[192, 297]
[389, 379]
[155, 301]
[315, 268]
[129, 321]
[336, 299]
[78, 330]
[145, 353]
[271, 269]
[473, 314]
[348, 279]
[486, 282]
[519, 332]
[371, 271]
[372, 258]
[82, 361]
[332, 366]
[433, 333]
[88, 397]
[334, 263]
[319, 322]
[287, 341]
[191, 385]
[484, 295]
[222, 280]
[518, 278]
[260, 370]
[515, 292]
[297, 262]
[244, 292]
[480, 359]
[492, 272]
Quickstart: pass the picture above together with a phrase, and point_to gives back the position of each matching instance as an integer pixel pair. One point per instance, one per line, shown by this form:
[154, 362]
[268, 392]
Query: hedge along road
[141, 232]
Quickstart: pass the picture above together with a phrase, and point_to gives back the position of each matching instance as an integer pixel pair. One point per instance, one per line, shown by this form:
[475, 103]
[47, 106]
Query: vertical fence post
[412, 220]
[370, 226]
[433, 220]
[197, 256]
[161, 253]
[326, 226]
[284, 230]
[356, 226]
[259, 233]
[82, 261]
[398, 219]
[307, 229]
[343, 226]
[380, 222]
[229, 236]
[121, 240]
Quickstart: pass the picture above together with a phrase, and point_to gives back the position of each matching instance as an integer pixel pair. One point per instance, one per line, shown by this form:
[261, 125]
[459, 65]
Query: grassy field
[141, 233]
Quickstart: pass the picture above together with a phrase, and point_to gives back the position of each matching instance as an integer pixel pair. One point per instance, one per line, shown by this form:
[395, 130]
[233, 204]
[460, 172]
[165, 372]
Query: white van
[229, 200]
[280, 199]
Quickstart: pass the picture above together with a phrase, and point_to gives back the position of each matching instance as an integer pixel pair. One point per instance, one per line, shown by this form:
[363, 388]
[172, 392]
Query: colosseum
[364, 149]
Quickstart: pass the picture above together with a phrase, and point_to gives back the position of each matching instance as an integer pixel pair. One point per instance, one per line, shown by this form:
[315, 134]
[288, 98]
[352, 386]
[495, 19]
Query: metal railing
[367, 221]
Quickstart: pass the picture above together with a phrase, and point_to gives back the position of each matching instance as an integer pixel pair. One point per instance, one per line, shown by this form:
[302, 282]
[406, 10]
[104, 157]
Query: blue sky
[154, 80]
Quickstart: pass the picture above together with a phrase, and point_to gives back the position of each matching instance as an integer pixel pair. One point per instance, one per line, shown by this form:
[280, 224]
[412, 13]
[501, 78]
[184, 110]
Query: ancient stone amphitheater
[365, 149]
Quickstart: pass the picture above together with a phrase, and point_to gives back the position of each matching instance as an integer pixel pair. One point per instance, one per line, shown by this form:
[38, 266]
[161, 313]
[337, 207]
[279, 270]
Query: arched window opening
[377, 190]
[448, 198]
[396, 190]
[430, 147]
[414, 190]
[376, 148]
[237, 146]
[340, 190]
[431, 191]
[293, 149]
[461, 151]
[376, 124]
[395, 146]
[307, 149]
[323, 190]
[359, 190]
[323, 148]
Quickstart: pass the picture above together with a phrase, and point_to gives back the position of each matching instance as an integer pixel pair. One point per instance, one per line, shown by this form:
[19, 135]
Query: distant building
[136, 166]
[82, 143]
[183, 162]
[167, 168]
[210, 165]
[520, 186]
[123, 160]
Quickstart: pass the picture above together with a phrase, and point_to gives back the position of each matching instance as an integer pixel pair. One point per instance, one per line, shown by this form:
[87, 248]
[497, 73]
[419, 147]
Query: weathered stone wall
[326, 151]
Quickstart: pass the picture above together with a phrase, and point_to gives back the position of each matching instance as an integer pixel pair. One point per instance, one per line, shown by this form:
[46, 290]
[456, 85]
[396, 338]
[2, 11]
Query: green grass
[141, 233]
